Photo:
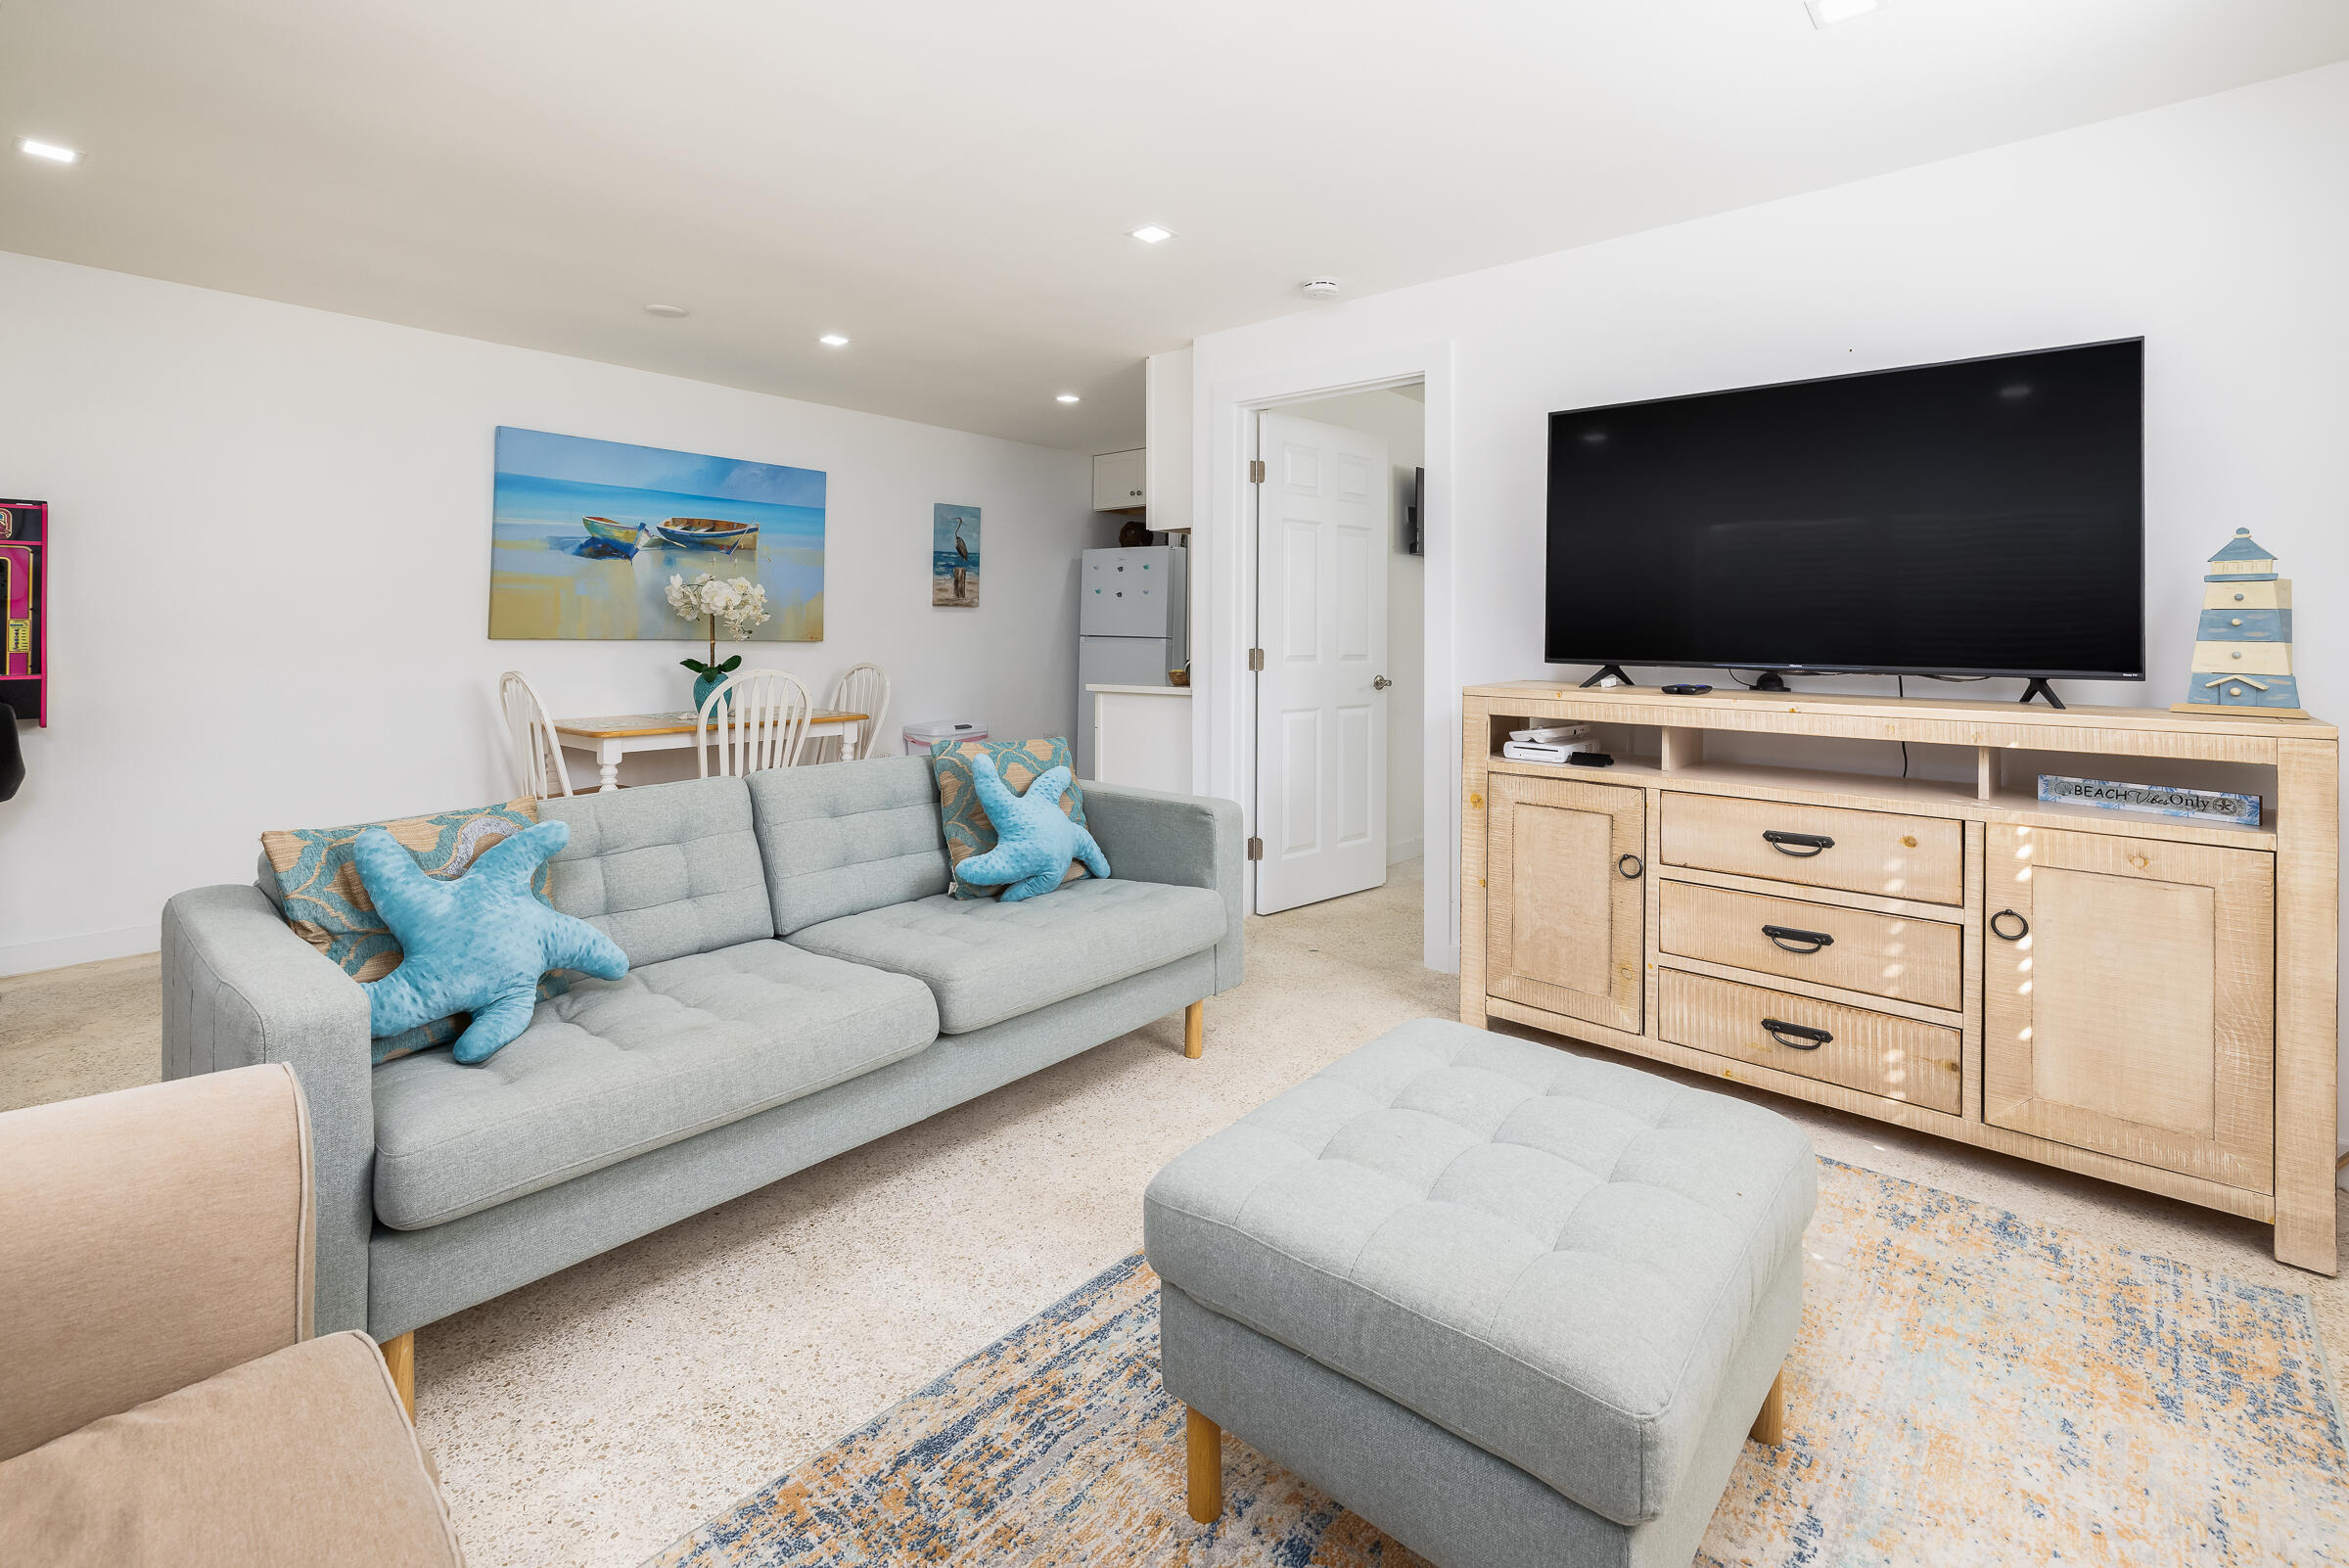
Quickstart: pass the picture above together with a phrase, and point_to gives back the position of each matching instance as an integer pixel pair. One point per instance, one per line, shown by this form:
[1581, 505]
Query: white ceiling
[950, 184]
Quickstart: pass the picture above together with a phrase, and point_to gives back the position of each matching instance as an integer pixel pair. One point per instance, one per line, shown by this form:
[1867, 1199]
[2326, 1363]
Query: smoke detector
[1321, 288]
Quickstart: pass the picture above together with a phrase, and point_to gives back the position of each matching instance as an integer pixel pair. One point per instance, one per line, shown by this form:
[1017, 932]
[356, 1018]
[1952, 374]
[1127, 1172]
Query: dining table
[611, 736]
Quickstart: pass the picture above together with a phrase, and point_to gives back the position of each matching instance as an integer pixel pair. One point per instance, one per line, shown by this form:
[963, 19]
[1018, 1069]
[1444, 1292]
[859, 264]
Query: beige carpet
[593, 1417]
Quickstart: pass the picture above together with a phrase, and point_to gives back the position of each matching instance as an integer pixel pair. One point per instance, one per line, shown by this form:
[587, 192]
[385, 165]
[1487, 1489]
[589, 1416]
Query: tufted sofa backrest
[848, 837]
[665, 870]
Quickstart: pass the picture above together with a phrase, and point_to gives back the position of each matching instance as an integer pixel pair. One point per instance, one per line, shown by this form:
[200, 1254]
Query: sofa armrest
[238, 989]
[149, 1239]
[1189, 841]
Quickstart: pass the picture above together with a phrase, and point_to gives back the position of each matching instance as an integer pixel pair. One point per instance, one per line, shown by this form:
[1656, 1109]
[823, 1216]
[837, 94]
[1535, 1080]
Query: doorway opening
[1340, 706]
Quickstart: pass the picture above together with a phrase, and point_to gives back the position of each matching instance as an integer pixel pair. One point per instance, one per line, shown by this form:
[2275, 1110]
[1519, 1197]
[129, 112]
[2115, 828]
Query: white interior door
[1322, 526]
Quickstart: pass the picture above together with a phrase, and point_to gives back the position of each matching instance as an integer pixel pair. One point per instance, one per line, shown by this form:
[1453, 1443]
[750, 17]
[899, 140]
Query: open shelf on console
[2000, 782]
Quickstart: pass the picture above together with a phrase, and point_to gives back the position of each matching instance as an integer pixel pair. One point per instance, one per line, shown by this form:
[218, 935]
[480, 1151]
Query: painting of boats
[705, 533]
[586, 535]
[610, 537]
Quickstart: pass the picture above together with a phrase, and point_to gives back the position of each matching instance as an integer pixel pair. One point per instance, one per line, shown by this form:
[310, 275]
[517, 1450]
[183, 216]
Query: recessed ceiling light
[48, 149]
[1827, 13]
[1151, 234]
[1066, 397]
[833, 339]
[671, 311]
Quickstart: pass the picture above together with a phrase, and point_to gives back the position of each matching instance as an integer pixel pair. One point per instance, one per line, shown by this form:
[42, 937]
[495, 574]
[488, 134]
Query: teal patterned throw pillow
[1019, 763]
[327, 904]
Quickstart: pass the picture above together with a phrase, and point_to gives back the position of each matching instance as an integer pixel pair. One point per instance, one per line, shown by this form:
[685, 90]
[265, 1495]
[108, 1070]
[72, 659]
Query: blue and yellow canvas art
[955, 555]
[585, 535]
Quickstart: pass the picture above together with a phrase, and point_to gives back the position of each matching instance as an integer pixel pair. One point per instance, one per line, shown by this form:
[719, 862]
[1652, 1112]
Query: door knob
[1380, 683]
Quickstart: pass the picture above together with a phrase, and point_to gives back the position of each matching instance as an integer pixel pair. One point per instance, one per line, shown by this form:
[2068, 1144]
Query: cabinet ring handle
[1792, 939]
[2022, 926]
[1631, 865]
[1806, 1039]
[1802, 845]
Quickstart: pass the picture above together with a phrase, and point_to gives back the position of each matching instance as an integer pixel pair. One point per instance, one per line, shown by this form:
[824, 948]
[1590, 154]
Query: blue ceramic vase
[703, 686]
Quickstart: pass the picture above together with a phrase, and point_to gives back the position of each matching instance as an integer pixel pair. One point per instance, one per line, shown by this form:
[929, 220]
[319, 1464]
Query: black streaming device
[1592, 759]
[1686, 691]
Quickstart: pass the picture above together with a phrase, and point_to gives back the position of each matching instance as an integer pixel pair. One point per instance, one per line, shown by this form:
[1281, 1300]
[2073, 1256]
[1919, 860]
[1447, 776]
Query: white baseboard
[1402, 850]
[56, 953]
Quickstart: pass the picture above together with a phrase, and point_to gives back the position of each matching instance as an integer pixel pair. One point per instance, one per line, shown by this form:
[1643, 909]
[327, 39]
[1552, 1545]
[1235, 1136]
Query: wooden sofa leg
[1205, 1443]
[1194, 1030]
[1770, 1426]
[399, 1359]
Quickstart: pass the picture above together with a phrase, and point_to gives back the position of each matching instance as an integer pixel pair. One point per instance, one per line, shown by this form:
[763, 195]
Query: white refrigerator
[1133, 627]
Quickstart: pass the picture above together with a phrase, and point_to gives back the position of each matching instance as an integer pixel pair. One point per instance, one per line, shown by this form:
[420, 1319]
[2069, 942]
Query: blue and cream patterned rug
[1969, 1390]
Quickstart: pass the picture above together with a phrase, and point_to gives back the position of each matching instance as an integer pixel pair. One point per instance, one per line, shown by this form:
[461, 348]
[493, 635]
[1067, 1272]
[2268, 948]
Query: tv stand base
[1771, 680]
[2039, 687]
[1605, 670]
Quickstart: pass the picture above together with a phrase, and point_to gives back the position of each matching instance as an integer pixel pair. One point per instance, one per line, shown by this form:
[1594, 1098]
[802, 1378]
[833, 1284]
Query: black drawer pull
[1789, 938]
[1802, 845]
[1631, 865]
[2023, 926]
[1806, 1039]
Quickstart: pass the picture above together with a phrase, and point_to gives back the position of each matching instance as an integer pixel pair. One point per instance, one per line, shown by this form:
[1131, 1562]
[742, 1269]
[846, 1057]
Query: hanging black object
[12, 756]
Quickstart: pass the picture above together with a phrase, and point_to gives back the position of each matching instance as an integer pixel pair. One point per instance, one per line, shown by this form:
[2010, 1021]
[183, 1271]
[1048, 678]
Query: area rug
[1969, 1390]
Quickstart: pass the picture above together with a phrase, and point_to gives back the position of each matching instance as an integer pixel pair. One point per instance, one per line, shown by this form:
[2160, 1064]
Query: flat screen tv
[1981, 518]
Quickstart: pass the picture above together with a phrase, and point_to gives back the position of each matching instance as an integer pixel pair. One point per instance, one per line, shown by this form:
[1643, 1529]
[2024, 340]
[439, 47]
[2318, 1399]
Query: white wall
[271, 577]
[1400, 419]
[2218, 229]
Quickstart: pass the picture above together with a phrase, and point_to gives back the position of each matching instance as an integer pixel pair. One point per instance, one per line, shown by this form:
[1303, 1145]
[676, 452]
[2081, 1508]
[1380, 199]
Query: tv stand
[2149, 1001]
[1603, 671]
[2039, 687]
[1771, 680]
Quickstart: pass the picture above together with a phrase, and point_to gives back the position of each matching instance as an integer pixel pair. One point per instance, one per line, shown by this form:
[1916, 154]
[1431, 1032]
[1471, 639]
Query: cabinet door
[1118, 482]
[2129, 1000]
[1562, 917]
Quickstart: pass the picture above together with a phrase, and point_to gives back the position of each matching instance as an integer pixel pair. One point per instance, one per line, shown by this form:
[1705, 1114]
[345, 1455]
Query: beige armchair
[161, 1399]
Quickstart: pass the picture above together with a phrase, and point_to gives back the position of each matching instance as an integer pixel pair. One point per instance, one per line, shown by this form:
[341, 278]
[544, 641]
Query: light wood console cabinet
[2145, 999]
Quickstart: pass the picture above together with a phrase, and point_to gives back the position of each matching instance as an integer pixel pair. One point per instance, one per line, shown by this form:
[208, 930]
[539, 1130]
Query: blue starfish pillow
[476, 945]
[1034, 839]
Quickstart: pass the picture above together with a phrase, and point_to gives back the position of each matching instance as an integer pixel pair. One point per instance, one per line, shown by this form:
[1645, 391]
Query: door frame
[1223, 616]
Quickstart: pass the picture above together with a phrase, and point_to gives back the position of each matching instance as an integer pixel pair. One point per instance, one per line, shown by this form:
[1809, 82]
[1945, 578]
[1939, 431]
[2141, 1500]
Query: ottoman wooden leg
[1205, 1443]
[1770, 1425]
[1194, 1030]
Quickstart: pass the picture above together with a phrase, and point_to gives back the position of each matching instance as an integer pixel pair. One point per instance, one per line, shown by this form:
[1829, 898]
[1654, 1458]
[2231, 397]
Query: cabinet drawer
[1876, 1053]
[1921, 858]
[1884, 955]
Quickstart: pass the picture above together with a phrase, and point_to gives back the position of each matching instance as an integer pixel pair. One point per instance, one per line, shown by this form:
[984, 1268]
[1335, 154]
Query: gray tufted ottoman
[1511, 1306]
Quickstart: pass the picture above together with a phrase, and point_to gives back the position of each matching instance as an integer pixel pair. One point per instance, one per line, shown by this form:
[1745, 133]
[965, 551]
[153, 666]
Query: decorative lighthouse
[2243, 646]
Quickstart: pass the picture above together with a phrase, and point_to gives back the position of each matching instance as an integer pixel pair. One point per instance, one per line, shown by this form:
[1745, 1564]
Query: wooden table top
[625, 726]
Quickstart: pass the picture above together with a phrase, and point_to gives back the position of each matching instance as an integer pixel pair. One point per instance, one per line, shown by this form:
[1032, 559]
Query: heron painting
[955, 556]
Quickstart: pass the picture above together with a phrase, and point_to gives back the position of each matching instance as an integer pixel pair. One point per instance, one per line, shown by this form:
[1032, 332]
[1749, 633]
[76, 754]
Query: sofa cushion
[1552, 1257]
[303, 1456]
[665, 870]
[988, 961]
[614, 1067]
[848, 837]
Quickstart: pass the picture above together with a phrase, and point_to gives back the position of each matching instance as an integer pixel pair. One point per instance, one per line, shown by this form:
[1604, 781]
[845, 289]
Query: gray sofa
[800, 982]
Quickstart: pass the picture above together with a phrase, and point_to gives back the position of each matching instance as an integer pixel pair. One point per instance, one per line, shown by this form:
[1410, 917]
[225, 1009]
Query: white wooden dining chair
[530, 745]
[756, 720]
[864, 689]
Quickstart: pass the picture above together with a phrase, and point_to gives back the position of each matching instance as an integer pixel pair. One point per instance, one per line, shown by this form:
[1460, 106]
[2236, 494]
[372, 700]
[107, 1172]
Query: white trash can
[919, 738]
